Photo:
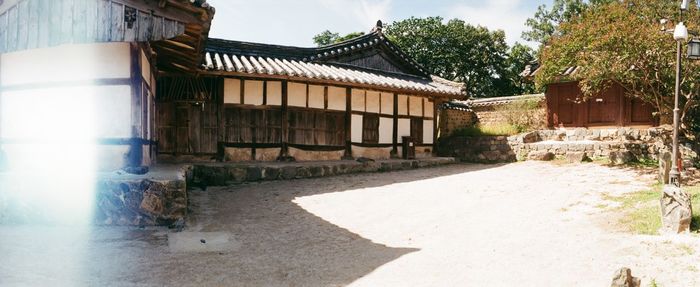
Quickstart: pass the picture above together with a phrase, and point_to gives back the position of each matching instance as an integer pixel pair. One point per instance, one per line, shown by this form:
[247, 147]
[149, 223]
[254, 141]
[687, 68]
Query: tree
[620, 42]
[520, 56]
[545, 23]
[327, 37]
[457, 51]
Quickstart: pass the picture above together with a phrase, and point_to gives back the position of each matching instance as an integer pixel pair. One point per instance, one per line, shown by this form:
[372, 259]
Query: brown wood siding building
[566, 108]
[265, 102]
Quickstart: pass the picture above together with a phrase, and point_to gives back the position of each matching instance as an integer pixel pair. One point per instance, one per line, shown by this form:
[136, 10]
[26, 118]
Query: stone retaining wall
[452, 120]
[487, 149]
[227, 174]
[633, 143]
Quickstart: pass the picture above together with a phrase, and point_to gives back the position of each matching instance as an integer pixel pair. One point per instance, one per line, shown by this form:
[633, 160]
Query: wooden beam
[395, 128]
[135, 154]
[284, 152]
[348, 124]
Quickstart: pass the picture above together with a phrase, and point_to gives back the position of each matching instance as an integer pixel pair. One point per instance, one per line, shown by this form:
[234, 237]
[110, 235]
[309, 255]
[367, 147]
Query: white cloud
[495, 14]
[362, 12]
[294, 22]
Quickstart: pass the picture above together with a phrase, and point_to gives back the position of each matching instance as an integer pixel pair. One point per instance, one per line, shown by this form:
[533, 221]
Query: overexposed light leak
[49, 137]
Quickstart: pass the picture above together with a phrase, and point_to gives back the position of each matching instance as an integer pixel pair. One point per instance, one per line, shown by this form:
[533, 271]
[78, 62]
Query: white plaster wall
[428, 106]
[403, 105]
[372, 102]
[404, 129]
[387, 104]
[358, 100]
[113, 107]
[274, 93]
[427, 131]
[296, 94]
[386, 130]
[415, 106]
[356, 130]
[145, 67]
[316, 97]
[253, 92]
[67, 113]
[336, 98]
[232, 91]
[64, 63]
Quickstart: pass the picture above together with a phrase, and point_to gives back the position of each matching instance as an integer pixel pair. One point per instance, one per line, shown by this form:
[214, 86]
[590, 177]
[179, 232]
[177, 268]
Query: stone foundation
[619, 144]
[227, 174]
[487, 149]
[140, 202]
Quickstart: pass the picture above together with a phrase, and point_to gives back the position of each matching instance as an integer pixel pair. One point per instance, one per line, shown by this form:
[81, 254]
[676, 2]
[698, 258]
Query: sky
[295, 22]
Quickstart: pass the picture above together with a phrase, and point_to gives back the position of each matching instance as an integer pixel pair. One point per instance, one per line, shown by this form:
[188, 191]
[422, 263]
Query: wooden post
[220, 150]
[348, 124]
[135, 154]
[284, 152]
[395, 128]
[436, 117]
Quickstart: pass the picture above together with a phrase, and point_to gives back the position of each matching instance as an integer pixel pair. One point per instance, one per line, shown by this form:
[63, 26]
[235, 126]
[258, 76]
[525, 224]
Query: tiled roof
[236, 57]
[532, 70]
[483, 102]
[282, 67]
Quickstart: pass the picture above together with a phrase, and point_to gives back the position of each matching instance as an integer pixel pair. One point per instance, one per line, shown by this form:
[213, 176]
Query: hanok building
[359, 98]
[86, 71]
[566, 106]
[142, 79]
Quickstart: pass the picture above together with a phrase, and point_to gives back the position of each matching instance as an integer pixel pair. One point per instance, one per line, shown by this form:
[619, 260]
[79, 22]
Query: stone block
[621, 157]
[676, 210]
[540, 155]
[623, 278]
[254, 173]
[577, 157]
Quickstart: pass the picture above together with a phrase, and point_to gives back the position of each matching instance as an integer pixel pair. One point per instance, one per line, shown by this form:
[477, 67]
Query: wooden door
[417, 130]
[640, 112]
[604, 109]
[186, 128]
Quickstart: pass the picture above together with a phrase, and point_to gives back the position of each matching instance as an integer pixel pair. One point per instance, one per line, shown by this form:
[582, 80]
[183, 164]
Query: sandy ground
[522, 224]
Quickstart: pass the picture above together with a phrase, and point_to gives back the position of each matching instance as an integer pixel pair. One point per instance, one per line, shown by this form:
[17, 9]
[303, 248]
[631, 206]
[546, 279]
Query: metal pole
[674, 174]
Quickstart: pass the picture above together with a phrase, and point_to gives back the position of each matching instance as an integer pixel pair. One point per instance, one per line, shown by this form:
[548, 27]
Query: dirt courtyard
[521, 224]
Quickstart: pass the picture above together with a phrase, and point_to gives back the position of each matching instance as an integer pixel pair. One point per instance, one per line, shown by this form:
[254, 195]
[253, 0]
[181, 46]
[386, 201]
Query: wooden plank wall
[29, 24]
[610, 108]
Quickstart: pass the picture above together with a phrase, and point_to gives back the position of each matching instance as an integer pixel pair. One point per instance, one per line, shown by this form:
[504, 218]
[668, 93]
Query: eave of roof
[484, 102]
[265, 60]
[241, 65]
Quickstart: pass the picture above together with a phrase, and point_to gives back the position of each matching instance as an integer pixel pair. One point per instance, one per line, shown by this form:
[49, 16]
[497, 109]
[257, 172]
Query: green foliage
[545, 23]
[327, 37]
[524, 115]
[458, 51]
[518, 57]
[486, 130]
[642, 214]
[620, 42]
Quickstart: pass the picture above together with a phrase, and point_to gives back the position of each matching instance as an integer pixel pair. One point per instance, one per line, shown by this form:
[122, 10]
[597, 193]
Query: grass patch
[642, 214]
[487, 130]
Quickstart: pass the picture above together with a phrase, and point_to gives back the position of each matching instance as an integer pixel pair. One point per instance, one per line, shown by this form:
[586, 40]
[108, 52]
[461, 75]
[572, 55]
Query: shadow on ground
[271, 241]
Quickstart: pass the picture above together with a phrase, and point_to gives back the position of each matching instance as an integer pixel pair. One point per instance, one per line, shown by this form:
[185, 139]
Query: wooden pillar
[348, 124]
[284, 152]
[220, 117]
[436, 117]
[135, 154]
[395, 128]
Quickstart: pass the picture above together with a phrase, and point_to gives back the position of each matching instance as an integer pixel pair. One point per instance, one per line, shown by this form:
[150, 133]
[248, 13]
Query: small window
[370, 129]
[417, 130]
